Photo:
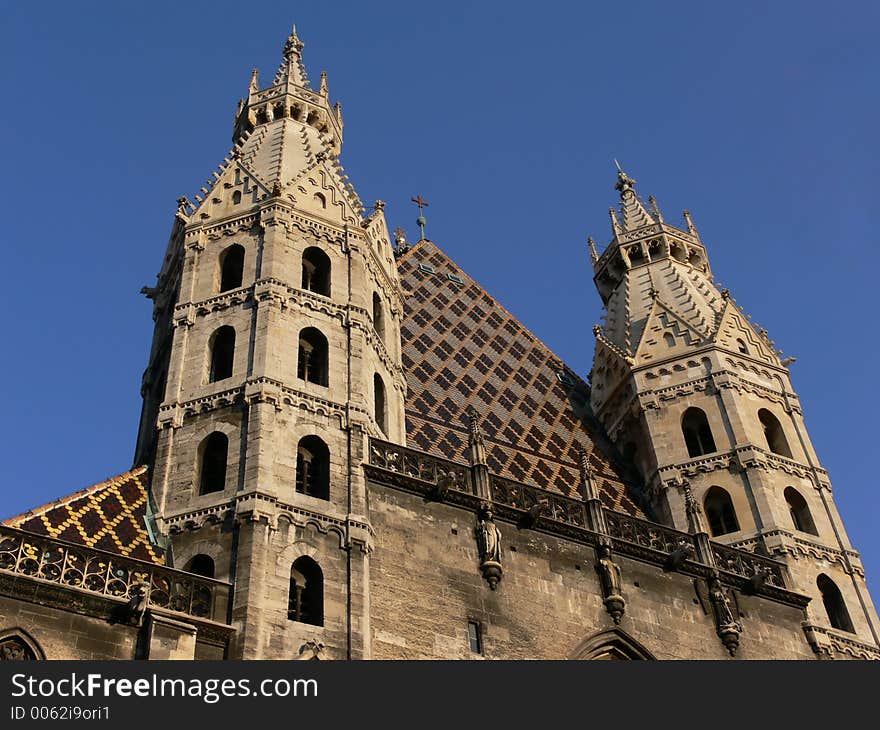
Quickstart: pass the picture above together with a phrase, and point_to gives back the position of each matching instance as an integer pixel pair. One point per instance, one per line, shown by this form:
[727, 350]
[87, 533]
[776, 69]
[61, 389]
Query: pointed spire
[292, 69]
[254, 85]
[615, 224]
[324, 90]
[594, 254]
[632, 211]
[588, 482]
[692, 229]
[655, 209]
[696, 525]
[475, 438]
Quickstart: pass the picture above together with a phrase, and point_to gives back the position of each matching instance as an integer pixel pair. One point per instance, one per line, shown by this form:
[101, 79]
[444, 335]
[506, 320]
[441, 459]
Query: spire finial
[624, 181]
[324, 90]
[255, 81]
[421, 220]
[293, 44]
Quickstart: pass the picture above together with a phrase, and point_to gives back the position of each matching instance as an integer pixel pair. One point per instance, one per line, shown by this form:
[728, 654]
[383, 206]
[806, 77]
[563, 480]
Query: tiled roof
[108, 516]
[461, 348]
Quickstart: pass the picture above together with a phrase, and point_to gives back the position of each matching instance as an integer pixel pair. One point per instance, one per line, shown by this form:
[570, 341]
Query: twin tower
[277, 355]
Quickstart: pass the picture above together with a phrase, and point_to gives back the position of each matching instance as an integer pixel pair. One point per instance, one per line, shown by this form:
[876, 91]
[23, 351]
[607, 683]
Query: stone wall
[426, 586]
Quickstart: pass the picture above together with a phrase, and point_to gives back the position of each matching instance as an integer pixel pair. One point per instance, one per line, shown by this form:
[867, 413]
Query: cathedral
[348, 449]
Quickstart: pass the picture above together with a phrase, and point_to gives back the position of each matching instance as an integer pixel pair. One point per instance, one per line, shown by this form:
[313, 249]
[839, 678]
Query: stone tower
[276, 354]
[698, 397]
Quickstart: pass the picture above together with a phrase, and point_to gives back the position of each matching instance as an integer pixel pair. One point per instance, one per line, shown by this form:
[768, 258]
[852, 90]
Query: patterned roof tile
[462, 348]
[107, 516]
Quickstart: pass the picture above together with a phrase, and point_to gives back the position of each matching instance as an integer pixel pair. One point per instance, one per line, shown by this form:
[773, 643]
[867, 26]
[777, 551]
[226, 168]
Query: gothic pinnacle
[594, 254]
[293, 44]
[255, 81]
[324, 90]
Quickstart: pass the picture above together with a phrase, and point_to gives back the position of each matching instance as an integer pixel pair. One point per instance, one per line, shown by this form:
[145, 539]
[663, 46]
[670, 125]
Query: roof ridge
[42, 509]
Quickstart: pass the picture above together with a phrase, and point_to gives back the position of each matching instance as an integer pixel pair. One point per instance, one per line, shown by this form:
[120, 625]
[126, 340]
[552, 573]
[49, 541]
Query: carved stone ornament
[489, 545]
[727, 626]
[609, 577]
[15, 649]
[312, 650]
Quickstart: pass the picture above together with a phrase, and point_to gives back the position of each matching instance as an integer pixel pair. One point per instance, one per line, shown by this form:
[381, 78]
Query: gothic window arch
[236, 197]
[201, 564]
[316, 271]
[799, 511]
[231, 267]
[380, 409]
[305, 601]
[222, 354]
[611, 644]
[774, 434]
[320, 199]
[18, 645]
[835, 606]
[312, 358]
[313, 467]
[742, 346]
[212, 464]
[697, 432]
[378, 316]
[720, 512]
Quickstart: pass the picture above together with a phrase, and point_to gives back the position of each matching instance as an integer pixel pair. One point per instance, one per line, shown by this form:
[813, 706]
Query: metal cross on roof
[421, 220]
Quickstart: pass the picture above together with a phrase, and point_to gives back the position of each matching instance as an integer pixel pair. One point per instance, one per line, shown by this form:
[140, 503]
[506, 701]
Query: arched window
[720, 512]
[320, 200]
[378, 316]
[313, 467]
[231, 267]
[773, 433]
[312, 363]
[697, 434]
[379, 403]
[838, 616]
[742, 347]
[305, 603]
[201, 565]
[222, 353]
[236, 197]
[316, 271]
[212, 477]
[669, 338]
[612, 644]
[799, 511]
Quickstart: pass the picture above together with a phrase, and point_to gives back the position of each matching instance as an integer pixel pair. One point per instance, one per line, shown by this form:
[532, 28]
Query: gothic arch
[610, 644]
[16, 643]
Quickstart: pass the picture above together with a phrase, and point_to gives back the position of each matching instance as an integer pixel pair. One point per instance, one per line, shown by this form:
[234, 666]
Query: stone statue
[609, 572]
[610, 578]
[727, 627]
[488, 545]
[488, 536]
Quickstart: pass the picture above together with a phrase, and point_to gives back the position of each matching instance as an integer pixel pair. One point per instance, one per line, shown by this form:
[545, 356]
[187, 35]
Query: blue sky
[760, 118]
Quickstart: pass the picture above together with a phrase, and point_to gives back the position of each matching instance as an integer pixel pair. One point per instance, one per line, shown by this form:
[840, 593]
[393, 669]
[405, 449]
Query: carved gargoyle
[530, 518]
[488, 545]
[756, 581]
[676, 558]
[137, 604]
[610, 579]
[437, 491]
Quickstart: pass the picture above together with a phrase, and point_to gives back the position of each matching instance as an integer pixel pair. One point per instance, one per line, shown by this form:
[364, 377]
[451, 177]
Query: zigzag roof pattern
[107, 516]
[462, 348]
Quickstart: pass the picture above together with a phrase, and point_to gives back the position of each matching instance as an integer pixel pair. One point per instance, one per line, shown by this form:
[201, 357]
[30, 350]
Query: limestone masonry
[349, 449]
